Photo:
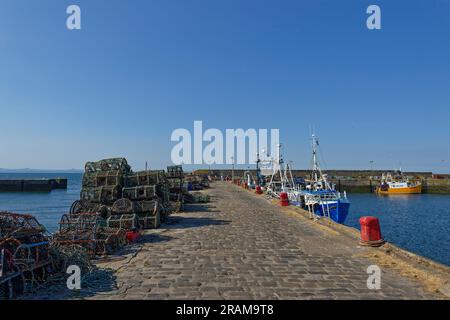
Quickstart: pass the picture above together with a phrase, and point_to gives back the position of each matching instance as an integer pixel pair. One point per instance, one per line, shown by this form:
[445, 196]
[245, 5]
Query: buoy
[258, 190]
[132, 236]
[370, 232]
[284, 200]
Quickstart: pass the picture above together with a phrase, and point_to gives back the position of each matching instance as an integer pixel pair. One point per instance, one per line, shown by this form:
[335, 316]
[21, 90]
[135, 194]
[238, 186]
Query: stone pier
[242, 246]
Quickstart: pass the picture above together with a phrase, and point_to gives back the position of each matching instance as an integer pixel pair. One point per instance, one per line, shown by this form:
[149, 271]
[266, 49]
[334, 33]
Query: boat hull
[338, 210]
[406, 190]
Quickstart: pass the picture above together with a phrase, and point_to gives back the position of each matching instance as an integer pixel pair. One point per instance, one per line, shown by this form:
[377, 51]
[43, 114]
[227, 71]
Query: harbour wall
[358, 181]
[429, 185]
[22, 185]
[441, 186]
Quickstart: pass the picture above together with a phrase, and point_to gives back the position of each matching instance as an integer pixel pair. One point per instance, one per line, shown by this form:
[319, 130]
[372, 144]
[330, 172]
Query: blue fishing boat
[327, 203]
[321, 197]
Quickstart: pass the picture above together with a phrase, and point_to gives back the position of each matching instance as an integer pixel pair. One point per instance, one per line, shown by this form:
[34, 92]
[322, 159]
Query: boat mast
[258, 170]
[315, 164]
[289, 178]
[280, 167]
[280, 158]
[317, 172]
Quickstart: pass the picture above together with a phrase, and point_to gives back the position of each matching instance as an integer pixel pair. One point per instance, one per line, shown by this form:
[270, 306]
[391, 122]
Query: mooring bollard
[370, 232]
[258, 190]
[284, 200]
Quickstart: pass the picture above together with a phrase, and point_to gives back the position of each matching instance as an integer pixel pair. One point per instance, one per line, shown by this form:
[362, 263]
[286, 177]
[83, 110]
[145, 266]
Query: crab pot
[103, 195]
[124, 221]
[139, 192]
[143, 178]
[150, 221]
[175, 171]
[114, 164]
[24, 253]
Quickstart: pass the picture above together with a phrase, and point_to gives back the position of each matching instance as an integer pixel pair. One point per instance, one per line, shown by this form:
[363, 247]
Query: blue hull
[338, 210]
[295, 203]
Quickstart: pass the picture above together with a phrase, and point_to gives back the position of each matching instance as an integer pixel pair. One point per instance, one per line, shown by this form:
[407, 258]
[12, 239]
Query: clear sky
[140, 69]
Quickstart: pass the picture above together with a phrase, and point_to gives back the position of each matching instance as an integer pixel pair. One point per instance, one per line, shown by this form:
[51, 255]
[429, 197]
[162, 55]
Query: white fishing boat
[281, 179]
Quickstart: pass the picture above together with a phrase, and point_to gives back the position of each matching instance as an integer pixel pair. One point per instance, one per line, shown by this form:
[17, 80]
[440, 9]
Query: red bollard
[370, 232]
[258, 190]
[284, 200]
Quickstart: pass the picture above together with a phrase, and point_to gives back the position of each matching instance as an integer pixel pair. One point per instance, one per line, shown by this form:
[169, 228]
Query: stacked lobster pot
[24, 254]
[141, 199]
[88, 222]
[196, 182]
[103, 181]
[175, 179]
[90, 231]
[163, 192]
[115, 200]
[124, 199]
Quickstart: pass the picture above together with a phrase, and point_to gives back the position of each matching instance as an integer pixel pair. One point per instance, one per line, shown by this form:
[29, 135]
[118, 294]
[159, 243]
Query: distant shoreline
[41, 171]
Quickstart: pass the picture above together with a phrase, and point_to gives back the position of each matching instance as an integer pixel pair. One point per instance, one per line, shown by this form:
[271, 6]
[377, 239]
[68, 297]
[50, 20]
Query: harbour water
[47, 207]
[418, 223]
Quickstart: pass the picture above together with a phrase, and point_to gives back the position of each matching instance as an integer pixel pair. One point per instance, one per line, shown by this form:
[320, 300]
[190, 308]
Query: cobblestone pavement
[240, 246]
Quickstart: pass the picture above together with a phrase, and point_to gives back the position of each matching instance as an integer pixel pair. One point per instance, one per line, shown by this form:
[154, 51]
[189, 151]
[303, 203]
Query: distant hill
[28, 170]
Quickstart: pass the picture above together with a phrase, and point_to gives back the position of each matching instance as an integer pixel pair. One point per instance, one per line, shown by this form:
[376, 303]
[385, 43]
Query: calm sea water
[47, 207]
[418, 223]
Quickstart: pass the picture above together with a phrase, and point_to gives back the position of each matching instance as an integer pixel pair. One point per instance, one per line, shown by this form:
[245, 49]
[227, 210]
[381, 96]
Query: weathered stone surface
[445, 290]
[242, 247]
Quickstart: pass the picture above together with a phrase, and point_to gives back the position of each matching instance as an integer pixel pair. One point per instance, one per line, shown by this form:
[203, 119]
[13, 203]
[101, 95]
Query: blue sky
[140, 69]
